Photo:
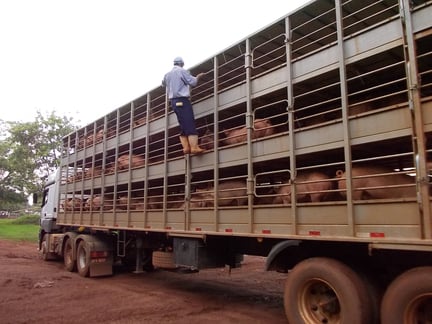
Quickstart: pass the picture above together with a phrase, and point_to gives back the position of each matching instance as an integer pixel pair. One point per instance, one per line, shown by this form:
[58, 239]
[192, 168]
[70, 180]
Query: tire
[375, 296]
[43, 252]
[322, 290]
[68, 256]
[408, 299]
[164, 260]
[83, 259]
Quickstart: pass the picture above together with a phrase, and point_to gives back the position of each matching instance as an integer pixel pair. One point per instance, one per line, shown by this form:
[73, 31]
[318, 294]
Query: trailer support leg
[139, 250]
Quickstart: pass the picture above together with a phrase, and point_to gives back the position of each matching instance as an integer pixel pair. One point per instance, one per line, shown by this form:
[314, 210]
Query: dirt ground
[36, 291]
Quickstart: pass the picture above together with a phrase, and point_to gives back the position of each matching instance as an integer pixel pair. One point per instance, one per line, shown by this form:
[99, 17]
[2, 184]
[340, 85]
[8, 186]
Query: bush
[27, 219]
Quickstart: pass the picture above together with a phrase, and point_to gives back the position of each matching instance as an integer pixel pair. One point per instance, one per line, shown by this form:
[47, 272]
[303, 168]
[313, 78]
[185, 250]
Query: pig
[231, 193]
[123, 161]
[207, 140]
[89, 140]
[362, 186]
[93, 172]
[262, 127]
[99, 136]
[135, 203]
[81, 142]
[75, 177]
[95, 203]
[175, 201]
[311, 186]
[154, 202]
[109, 168]
[71, 204]
[140, 121]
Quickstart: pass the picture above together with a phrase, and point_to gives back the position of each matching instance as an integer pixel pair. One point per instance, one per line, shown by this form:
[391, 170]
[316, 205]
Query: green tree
[29, 152]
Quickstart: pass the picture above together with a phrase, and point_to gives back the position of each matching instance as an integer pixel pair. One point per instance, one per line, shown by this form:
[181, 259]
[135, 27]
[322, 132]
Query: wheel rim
[419, 310]
[82, 258]
[319, 303]
[43, 250]
[68, 254]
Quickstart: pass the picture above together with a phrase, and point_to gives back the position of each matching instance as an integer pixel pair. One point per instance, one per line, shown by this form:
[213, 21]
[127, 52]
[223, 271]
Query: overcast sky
[85, 58]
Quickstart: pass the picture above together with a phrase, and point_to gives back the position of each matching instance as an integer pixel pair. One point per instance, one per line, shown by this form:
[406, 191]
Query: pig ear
[339, 173]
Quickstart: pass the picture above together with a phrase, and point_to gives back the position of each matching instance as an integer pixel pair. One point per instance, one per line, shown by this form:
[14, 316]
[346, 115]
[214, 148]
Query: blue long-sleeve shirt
[177, 82]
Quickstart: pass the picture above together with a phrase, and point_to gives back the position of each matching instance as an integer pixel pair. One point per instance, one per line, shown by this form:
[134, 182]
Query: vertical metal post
[216, 139]
[188, 181]
[93, 169]
[139, 253]
[117, 152]
[418, 135]
[165, 176]
[103, 176]
[290, 108]
[345, 120]
[249, 127]
[146, 156]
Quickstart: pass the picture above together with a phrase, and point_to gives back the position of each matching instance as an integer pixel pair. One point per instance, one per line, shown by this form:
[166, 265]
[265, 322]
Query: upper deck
[343, 83]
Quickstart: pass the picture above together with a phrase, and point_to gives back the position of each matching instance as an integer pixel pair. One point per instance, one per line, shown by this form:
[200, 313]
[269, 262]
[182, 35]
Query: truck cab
[49, 204]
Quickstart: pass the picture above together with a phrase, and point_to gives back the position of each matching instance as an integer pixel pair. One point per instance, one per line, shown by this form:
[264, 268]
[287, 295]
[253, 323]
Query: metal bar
[249, 127]
[344, 102]
[291, 133]
[419, 138]
[216, 138]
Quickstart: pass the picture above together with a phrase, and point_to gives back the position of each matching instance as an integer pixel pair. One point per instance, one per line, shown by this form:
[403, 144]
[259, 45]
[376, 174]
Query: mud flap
[101, 255]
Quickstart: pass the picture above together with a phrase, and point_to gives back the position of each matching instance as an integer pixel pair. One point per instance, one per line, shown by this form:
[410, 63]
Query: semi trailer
[317, 132]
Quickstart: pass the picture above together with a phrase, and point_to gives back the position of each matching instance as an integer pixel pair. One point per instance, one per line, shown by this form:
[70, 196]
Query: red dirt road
[35, 291]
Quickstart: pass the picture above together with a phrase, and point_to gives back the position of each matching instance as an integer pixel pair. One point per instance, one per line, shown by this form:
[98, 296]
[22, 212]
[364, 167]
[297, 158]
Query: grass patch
[23, 228]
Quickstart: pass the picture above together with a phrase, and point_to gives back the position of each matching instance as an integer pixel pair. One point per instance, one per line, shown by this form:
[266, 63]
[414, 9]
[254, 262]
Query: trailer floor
[35, 291]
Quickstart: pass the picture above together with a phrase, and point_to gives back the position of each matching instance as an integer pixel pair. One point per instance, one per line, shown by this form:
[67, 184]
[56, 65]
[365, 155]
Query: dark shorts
[185, 116]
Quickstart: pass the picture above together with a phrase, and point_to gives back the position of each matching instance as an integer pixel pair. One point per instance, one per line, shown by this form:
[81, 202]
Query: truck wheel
[322, 290]
[83, 259]
[68, 258]
[43, 252]
[408, 299]
[375, 296]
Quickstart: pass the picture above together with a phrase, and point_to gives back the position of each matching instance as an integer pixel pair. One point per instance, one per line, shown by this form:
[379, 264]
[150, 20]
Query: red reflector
[228, 230]
[148, 226]
[377, 234]
[168, 227]
[266, 231]
[98, 254]
[198, 229]
[315, 233]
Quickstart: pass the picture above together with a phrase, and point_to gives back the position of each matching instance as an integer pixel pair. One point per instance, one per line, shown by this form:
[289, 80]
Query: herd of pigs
[369, 182]
[262, 127]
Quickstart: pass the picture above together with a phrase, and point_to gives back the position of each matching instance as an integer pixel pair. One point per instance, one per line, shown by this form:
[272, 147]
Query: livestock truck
[318, 133]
